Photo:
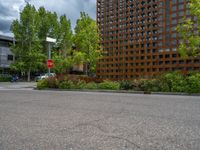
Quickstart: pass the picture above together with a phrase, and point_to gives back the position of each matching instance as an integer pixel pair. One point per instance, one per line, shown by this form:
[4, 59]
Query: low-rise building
[6, 56]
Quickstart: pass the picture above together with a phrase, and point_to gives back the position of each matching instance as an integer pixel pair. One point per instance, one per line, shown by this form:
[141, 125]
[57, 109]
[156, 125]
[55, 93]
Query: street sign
[50, 63]
[50, 40]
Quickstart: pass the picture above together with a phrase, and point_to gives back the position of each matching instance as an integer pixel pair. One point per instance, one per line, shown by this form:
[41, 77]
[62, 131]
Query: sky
[9, 10]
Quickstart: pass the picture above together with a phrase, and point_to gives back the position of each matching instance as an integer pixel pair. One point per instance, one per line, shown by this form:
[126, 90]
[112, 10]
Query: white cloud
[9, 9]
[71, 8]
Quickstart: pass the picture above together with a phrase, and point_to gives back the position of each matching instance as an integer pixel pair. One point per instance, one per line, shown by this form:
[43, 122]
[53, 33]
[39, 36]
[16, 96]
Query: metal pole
[49, 56]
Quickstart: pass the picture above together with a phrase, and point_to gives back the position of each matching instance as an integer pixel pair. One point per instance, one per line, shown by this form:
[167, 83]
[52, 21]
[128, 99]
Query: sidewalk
[17, 85]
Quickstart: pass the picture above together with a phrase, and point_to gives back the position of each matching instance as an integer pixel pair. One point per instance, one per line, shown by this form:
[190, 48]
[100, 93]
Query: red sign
[50, 63]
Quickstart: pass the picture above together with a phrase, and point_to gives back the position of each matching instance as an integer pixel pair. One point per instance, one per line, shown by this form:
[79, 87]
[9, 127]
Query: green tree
[28, 51]
[64, 41]
[48, 26]
[61, 63]
[44, 26]
[62, 56]
[54, 25]
[189, 31]
[87, 41]
[64, 63]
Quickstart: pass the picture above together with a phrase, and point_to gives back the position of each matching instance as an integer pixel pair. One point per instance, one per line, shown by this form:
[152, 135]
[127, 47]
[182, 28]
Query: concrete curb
[175, 93]
[123, 91]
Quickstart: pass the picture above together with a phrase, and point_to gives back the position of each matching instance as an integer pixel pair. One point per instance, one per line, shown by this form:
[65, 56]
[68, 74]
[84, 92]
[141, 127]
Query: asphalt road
[53, 120]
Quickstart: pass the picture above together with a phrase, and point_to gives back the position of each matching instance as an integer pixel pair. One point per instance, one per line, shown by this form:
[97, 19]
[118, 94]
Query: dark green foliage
[173, 82]
[170, 82]
[5, 78]
[193, 83]
[149, 85]
[126, 85]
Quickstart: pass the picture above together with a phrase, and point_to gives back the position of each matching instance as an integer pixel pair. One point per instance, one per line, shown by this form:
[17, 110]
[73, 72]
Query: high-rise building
[139, 38]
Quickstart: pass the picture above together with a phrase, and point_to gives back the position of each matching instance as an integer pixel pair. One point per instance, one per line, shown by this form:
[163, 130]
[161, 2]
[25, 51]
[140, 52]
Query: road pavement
[65, 120]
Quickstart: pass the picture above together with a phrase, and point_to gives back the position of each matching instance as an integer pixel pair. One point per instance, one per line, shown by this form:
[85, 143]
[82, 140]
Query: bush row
[76, 84]
[170, 82]
[5, 78]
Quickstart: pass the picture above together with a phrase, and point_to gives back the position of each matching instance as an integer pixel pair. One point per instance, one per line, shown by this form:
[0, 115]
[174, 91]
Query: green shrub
[126, 85]
[169, 82]
[149, 85]
[52, 82]
[66, 84]
[136, 85]
[154, 85]
[109, 85]
[75, 78]
[143, 85]
[173, 82]
[193, 83]
[5, 78]
[42, 84]
[79, 85]
[91, 85]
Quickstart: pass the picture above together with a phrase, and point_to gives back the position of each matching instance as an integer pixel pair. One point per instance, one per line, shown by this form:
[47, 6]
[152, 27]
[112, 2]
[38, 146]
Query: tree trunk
[86, 69]
[29, 75]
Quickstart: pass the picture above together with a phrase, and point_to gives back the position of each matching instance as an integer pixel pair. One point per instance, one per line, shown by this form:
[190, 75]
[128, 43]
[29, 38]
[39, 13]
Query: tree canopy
[87, 40]
[189, 32]
[31, 30]
[27, 50]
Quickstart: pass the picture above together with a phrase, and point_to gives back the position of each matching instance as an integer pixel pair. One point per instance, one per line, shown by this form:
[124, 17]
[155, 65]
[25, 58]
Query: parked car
[45, 76]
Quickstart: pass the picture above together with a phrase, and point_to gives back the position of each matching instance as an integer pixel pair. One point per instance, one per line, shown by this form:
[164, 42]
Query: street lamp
[50, 41]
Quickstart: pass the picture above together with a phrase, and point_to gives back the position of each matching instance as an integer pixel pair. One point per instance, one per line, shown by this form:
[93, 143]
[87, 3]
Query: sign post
[50, 62]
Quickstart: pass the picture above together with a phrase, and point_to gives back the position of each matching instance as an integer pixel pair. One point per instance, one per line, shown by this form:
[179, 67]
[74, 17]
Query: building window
[10, 57]
[4, 44]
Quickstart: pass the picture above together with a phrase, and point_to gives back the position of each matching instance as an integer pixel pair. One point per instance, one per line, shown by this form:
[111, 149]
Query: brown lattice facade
[139, 38]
